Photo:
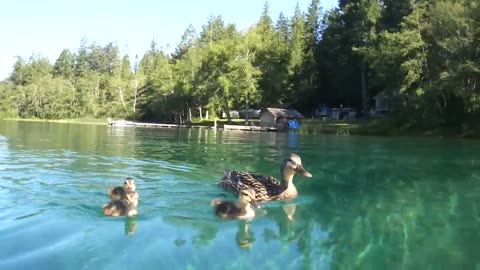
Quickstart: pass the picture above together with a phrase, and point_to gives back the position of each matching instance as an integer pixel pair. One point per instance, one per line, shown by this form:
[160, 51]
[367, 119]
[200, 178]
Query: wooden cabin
[279, 118]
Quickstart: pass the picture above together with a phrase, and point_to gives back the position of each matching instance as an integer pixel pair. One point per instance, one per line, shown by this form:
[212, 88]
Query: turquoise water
[372, 203]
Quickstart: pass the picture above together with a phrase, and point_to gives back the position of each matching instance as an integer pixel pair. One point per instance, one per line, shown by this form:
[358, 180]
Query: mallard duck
[126, 207]
[229, 209]
[119, 193]
[266, 188]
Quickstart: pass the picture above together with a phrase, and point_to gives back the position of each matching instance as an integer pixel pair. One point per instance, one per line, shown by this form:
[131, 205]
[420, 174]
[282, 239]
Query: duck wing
[265, 186]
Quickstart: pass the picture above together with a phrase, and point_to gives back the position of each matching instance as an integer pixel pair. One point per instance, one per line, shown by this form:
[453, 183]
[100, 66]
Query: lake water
[372, 203]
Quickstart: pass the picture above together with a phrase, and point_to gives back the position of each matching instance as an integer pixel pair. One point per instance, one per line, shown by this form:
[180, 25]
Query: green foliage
[64, 66]
[424, 54]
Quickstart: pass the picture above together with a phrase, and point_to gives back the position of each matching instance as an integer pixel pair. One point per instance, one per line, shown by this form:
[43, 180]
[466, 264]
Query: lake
[372, 203]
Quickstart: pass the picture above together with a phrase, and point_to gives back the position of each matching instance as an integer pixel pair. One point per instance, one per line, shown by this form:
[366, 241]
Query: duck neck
[245, 208]
[287, 177]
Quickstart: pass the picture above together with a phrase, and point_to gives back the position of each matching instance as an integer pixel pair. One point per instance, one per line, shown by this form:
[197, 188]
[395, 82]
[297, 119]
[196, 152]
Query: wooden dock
[225, 127]
[155, 125]
[249, 128]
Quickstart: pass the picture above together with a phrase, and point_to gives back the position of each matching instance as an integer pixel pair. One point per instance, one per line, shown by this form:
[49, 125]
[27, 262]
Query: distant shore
[90, 121]
[375, 127]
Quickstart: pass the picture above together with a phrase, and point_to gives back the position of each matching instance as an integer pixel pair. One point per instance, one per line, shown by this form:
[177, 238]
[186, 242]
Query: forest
[422, 54]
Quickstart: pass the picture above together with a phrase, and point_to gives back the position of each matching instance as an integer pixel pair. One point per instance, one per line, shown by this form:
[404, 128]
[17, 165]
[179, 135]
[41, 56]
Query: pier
[224, 127]
[249, 128]
[155, 125]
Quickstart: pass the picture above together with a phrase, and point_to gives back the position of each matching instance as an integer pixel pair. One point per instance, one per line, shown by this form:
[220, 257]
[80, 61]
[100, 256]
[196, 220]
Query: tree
[295, 60]
[19, 72]
[187, 41]
[310, 67]
[81, 60]
[64, 65]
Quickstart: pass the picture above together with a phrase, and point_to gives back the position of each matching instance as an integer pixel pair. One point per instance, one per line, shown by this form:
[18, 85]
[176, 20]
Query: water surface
[372, 203]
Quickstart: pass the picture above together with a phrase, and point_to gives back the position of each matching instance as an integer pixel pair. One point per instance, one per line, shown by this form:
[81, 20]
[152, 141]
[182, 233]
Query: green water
[372, 203]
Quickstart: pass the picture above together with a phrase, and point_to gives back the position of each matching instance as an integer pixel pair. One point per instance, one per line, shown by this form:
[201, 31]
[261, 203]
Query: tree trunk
[120, 92]
[189, 114]
[227, 111]
[206, 115]
[135, 97]
[364, 87]
[200, 111]
[246, 111]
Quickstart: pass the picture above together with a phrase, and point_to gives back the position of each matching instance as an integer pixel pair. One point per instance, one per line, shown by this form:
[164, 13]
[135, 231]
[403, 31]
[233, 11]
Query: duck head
[247, 196]
[129, 184]
[293, 164]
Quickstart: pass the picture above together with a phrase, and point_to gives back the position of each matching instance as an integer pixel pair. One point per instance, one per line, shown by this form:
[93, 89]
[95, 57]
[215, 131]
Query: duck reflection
[289, 210]
[130, 225]
[288, 229]
[244, 236]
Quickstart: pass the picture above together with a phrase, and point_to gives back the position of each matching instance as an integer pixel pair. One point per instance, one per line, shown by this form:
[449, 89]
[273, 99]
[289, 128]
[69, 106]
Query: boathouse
[280, 118]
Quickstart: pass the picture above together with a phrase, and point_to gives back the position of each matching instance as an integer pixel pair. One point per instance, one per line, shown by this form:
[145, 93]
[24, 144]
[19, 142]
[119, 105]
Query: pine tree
[295, 61]
[81, 60]
[64, 65]
[187, 41]
[310, 66]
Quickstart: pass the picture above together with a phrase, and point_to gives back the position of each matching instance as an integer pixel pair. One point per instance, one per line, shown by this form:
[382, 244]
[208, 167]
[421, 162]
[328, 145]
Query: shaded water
[372, 203]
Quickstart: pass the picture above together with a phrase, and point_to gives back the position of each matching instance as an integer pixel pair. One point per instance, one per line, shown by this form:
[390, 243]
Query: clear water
[372, 203]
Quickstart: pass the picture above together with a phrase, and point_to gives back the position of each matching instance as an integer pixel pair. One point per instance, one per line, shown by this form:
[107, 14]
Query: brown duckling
[230, 209]
[119, 193]
[125, 207]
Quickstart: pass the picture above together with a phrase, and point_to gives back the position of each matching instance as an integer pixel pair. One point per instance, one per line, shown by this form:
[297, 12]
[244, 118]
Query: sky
[49, 26]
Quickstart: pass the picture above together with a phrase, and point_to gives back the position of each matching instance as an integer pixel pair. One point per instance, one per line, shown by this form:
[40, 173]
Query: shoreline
[310, 126]
[84, 121]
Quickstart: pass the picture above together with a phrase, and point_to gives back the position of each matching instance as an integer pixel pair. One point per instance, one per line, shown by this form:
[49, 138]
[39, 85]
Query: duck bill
[303, 172]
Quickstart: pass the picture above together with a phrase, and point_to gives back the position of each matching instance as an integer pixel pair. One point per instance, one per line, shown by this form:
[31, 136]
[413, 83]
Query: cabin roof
[284, 113]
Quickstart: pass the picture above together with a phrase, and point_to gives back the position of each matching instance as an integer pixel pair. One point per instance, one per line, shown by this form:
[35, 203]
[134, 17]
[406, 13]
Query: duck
[266, 188]
[232, 210]
[124, 207]
[119, 193]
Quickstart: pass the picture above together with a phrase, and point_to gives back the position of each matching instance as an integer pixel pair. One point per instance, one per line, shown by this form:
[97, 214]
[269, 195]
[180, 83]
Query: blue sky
[49, 26]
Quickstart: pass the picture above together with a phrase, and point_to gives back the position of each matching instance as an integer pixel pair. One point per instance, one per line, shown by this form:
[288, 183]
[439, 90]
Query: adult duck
[266, 188]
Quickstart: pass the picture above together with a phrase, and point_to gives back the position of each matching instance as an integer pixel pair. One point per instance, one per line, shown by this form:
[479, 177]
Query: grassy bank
[90, 121]
[378, 127]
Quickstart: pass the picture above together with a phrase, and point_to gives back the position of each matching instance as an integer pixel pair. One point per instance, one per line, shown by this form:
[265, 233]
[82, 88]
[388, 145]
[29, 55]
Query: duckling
[125, 207]
[266, 188]
[119, 193]
[232, 210]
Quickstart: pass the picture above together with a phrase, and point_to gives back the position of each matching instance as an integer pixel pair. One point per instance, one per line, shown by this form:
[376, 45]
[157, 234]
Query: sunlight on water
[372, 203]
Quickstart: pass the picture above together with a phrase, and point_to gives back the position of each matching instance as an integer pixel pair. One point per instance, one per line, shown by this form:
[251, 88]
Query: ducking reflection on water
[244, 237]
[130, 225]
